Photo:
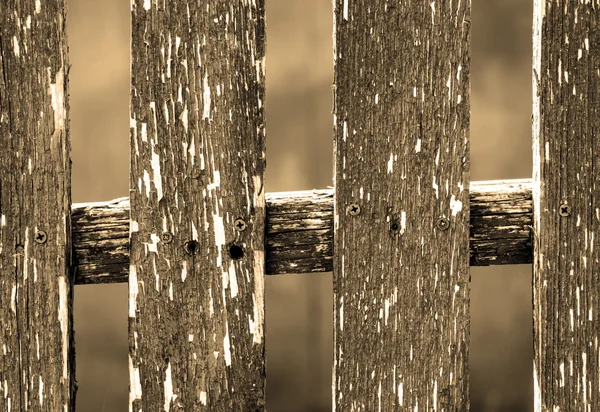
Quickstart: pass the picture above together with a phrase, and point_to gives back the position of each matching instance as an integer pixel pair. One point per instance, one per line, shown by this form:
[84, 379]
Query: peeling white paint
[135, 386]
[226, 346]
[133, 290]
[456, 205]
[63, 318]
[168, 389]
[206, 98]
[203, 398]
[57, 91]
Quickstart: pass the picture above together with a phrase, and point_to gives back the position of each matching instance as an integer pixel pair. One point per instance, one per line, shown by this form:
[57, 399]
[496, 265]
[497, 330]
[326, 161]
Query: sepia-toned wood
[401, 284]
[566, 193]
[196, 282]
[37, 362]
[299, 231]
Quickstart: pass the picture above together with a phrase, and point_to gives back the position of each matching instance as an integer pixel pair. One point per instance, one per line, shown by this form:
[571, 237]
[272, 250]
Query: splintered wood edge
[300, 231]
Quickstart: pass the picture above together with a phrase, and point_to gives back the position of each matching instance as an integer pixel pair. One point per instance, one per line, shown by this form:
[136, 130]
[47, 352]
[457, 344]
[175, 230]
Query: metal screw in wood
[40, 237]
[564, 210]
[167, 237]
[353, 209]
[442, 223]
[240, 224]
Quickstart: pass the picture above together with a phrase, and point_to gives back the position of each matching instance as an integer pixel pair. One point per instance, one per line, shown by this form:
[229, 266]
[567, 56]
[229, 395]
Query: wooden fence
[198, 233]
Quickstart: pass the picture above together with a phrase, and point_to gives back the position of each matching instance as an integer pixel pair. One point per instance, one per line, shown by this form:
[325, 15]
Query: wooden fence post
[401, 252]
[196, 277]
[36, 282]
[566, 193]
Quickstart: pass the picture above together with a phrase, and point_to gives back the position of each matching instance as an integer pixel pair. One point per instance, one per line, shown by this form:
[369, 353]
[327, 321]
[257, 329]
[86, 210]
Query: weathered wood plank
[566, 193]
[401, 107]
[37, 362]
[300, 231]
[196, 282]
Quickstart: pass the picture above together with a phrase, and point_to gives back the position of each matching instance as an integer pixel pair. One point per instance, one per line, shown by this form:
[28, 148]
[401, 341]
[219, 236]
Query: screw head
[442, 223]
[166, 237]
[40, 237]
[240, 224]
[564, 209]
[353, 209]
[20, 249]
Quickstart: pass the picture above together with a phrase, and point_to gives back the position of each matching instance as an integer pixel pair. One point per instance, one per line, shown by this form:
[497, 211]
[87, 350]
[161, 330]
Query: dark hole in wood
[192, 247]
[236, 252]
[395, 226]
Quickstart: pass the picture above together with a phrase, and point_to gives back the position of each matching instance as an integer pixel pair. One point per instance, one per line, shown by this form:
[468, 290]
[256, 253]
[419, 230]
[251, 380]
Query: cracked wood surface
[566, 193]
[196, 283]
[37, 360]
[401, 265]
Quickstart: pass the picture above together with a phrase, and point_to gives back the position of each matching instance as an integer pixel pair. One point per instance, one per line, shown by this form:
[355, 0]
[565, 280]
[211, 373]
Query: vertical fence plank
[401, 261]
[196, 280]
[36, 284]
[566, 190]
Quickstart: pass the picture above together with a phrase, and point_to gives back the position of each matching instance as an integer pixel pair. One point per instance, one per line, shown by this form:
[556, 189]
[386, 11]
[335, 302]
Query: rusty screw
[564, 209]
[353, 209]
[20, 249]
[442, 223]
[41, 237]
[240, 224]
[166, 237]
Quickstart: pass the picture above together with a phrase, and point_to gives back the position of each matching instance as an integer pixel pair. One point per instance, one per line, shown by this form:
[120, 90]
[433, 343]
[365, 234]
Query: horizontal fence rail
[299, 232]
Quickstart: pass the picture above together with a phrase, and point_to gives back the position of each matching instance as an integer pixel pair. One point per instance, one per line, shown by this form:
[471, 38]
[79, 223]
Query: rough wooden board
[299, 231]
[196, 316]
[37, 362]
[401, 286]
[566, 132]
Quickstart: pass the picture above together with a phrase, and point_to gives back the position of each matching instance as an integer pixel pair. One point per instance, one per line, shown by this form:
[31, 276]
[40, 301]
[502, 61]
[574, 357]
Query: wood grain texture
[196, 306]
[299, 231]
[401, 285]
[566, 193]
[37, 362]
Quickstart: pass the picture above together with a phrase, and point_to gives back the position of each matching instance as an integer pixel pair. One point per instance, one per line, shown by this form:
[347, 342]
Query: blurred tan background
[299, 156]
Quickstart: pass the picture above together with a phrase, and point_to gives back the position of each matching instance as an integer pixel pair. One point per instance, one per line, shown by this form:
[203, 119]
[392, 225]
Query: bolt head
[40, 237]
[353, 209]
[442, 223]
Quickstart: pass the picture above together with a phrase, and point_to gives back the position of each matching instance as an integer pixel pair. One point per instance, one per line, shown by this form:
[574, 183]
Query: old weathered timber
[37, 361]
[299, 231]
[401, 252]
[196, 279]
[566, 199]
